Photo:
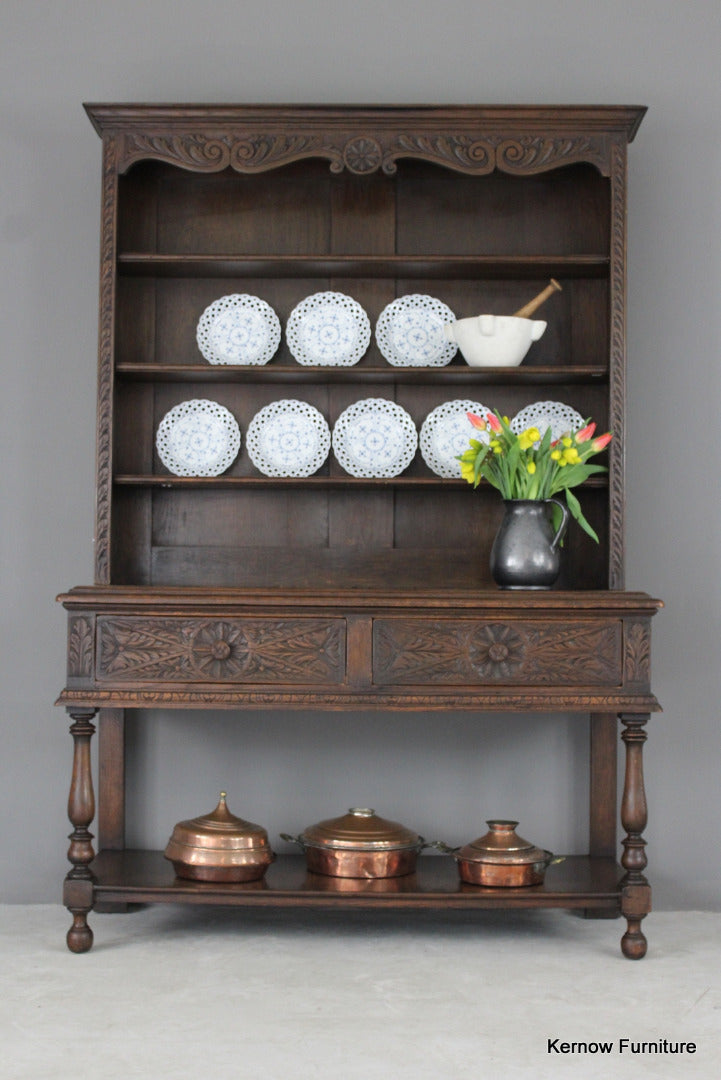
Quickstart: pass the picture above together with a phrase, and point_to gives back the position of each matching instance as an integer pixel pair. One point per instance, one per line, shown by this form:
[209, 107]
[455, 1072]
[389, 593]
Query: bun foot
[633, 942]
[79, 936]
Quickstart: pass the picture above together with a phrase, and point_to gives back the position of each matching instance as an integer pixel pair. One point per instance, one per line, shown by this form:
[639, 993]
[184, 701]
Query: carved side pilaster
[106, 350]
[617, 402]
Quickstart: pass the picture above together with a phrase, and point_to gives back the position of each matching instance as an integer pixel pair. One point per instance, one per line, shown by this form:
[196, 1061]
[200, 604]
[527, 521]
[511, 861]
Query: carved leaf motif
[638, 654]
[533, 153]
[252, 650]
[462, 152]
[80, 648]
[203, 153]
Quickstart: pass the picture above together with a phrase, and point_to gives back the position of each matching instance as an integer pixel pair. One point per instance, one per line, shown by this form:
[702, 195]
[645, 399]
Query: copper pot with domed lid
[219, 847]
[359, 844]
[502, 858]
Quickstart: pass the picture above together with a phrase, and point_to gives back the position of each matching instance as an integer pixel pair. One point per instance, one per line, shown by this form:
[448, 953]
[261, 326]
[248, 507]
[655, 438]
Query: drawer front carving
[298, 651]
[415, 651]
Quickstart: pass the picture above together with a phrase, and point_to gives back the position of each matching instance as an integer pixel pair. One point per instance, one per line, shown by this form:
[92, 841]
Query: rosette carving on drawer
[225, 650]
[416, 651]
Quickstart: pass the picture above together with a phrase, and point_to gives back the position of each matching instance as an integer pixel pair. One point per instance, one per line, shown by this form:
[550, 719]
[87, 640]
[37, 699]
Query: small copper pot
[502, 859]
[219, 847]
[359, 845]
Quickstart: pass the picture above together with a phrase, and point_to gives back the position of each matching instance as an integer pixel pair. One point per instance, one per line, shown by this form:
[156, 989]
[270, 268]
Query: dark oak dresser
[332, 591]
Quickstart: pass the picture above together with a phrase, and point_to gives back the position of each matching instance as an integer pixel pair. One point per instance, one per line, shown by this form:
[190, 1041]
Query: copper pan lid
[501, 844]
[360, 829]
[218, 832]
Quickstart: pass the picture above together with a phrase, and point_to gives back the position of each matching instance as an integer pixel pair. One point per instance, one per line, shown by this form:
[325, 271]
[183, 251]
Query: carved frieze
[412, 651]
[363, 153]
[221, 650]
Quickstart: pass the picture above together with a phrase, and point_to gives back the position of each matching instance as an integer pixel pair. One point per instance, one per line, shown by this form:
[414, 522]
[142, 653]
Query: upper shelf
[286, 373]
[139, 264]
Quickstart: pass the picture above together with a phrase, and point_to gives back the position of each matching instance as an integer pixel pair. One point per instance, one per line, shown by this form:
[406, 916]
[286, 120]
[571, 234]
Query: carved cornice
[361, 152]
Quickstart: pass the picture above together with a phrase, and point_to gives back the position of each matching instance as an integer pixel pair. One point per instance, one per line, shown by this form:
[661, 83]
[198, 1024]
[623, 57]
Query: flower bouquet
[531, 466]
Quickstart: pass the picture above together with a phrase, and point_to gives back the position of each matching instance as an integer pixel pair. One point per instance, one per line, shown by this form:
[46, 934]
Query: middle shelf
[575, 374]
[166, 480]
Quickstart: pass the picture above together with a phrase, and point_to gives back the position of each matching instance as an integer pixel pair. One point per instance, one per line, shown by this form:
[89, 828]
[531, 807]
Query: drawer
[468, 651]
[298, 651]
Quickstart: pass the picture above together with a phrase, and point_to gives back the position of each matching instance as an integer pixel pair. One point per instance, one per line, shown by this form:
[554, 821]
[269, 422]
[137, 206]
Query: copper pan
[360, 844]
[501, 858]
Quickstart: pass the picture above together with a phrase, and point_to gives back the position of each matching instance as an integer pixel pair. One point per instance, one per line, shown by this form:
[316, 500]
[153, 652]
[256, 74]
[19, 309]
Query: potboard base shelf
[135, 877]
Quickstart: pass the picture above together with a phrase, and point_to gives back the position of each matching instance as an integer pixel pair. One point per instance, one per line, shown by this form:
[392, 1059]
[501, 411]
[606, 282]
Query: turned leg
[635, 890]
[78, 890]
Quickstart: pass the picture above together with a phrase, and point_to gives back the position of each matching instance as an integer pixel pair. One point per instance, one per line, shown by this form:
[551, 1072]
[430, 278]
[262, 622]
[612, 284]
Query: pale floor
[182, 994]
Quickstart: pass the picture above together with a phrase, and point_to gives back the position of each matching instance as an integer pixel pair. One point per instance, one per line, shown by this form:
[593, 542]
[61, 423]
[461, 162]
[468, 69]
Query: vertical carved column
[78, 891]
[636, 893]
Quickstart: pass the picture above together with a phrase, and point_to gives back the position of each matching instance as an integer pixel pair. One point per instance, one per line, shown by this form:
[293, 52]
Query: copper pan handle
[292, 839]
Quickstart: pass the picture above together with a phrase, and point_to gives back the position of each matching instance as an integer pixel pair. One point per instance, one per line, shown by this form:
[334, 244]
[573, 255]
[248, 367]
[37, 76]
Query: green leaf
[575, 507]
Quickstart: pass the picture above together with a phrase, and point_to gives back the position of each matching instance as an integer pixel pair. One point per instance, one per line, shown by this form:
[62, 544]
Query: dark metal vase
[526, 553]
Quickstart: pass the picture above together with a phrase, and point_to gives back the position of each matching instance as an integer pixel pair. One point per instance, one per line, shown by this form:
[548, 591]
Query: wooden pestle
[528, 309]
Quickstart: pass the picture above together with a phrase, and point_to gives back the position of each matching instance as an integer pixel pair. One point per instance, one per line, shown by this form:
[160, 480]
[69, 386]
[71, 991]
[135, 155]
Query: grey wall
[444, 775]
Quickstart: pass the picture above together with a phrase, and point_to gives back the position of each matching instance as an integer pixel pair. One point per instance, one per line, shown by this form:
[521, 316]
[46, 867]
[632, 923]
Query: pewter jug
[526, 551]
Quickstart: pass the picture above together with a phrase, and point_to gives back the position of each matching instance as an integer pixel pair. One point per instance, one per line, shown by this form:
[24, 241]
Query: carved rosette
[415, 652]
[496, 651]
[362, 153]
[224, 651]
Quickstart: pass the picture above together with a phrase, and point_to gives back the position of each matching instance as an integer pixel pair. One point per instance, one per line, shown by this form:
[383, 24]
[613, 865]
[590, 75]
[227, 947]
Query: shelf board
[454, 374]
[147, 877]
[340, 481]
[140, 264]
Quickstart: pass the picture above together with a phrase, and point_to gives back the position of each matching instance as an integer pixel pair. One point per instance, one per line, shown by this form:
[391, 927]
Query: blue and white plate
[288, 438]
[409, 332]
[238, 329]
[562, 419]
[328, 329]
[198, 438]
[374, 438]
[446, 432]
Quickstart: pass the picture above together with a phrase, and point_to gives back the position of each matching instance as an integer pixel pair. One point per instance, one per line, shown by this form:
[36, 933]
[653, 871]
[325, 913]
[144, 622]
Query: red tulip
[601, 442]
[477, 421]
[494, 423]
[586, 433]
